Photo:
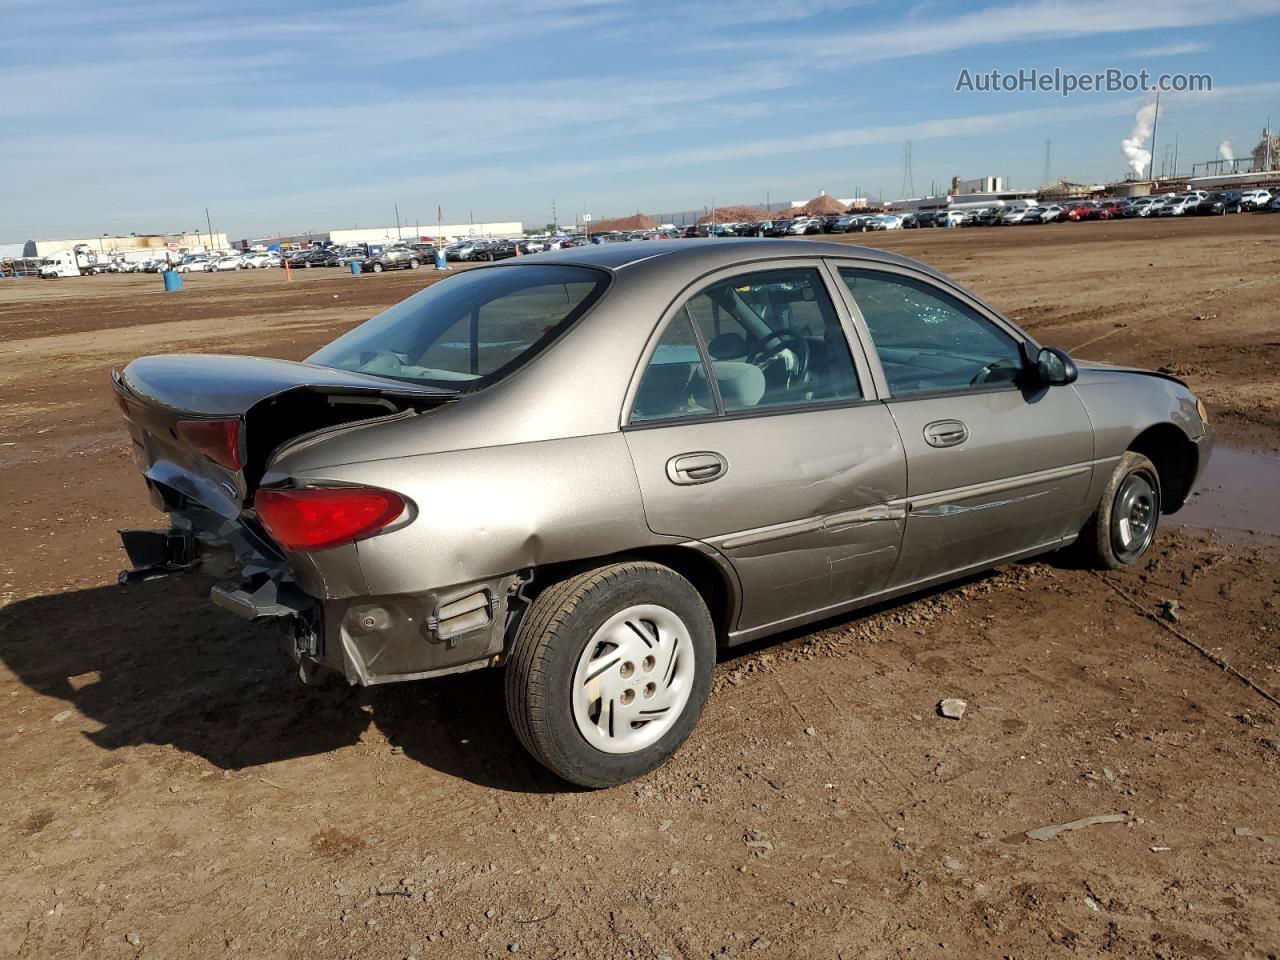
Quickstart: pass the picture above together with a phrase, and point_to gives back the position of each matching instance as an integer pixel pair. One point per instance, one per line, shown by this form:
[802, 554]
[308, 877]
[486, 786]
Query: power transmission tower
[1048, 162]
[908, 182]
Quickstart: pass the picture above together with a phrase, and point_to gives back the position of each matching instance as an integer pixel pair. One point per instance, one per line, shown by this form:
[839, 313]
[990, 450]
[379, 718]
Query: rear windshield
[471, 329]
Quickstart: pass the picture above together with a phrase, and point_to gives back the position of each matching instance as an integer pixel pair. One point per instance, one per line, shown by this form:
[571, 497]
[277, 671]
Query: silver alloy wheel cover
[1133, 516]
[633, 679]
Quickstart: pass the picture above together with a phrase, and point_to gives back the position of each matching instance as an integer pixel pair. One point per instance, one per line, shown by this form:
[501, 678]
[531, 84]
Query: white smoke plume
[1226, 151]
[1134, 145]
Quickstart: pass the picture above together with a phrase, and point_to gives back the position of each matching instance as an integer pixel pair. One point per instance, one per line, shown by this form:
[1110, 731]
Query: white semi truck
[79, 261]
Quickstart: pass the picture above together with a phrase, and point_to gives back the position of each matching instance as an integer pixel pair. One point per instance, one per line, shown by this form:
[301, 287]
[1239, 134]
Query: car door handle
[702, 467]
[945, 433]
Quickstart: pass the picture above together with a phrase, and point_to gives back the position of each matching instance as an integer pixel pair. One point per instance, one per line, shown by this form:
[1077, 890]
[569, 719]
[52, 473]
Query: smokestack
[1134, 145]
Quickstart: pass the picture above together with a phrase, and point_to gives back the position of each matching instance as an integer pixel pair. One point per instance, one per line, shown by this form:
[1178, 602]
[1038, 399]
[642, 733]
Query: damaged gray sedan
[594, 467]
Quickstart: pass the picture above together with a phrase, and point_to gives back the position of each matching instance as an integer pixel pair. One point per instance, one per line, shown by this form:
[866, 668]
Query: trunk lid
[273, 401]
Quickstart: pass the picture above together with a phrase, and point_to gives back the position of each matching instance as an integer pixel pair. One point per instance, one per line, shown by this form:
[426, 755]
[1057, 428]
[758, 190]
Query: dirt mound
[734, 215]
[637, 221]
[820, 206]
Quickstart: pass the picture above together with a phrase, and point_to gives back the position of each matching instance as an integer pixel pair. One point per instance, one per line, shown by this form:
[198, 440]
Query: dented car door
[997, 463]
[753, 430]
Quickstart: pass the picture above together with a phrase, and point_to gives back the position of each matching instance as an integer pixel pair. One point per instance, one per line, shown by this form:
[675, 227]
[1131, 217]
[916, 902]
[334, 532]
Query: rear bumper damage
[367, 640]
[156, 553]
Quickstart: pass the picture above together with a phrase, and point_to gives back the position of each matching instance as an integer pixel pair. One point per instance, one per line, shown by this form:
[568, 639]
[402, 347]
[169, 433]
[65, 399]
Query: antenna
[908, 183]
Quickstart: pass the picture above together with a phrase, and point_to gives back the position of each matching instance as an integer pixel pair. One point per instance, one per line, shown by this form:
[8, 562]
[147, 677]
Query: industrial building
[964, 201]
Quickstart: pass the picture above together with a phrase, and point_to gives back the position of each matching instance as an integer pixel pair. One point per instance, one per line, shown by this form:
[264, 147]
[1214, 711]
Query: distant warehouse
[382, 236]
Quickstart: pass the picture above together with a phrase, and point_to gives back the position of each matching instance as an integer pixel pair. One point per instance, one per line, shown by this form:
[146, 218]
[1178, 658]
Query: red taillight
[219, 440]
[325, 517]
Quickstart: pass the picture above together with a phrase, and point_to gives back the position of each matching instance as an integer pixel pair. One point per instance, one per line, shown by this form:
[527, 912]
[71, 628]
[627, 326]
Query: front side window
[471, 329]
[927, 340]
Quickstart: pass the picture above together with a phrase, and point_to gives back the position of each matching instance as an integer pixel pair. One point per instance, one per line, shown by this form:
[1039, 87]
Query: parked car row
[1191, 203]
[410, 255]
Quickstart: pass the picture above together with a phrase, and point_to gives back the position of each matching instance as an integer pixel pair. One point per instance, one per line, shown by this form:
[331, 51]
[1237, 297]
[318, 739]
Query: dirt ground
[171, 791]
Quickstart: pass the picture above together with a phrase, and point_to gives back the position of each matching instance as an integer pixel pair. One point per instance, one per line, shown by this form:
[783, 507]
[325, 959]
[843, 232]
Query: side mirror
[1054, 367]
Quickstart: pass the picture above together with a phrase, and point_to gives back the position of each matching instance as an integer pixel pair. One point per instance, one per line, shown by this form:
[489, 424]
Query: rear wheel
[377, 268]
[609, 672]
[413, 264]
[1124, 526]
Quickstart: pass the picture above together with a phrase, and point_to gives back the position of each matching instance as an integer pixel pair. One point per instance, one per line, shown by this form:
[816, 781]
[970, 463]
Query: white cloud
[1042, 19]
[1170, 50]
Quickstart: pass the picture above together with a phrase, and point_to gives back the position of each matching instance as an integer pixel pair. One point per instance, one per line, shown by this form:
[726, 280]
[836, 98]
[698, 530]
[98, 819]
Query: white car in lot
[1255, 199]
[887, 221]
[258, 261]
[1178, 206]
[225, 263]
[1015, 215]
[194, 264]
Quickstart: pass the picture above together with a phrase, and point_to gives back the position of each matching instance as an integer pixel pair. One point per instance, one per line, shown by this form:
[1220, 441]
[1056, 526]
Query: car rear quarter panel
[486, 512]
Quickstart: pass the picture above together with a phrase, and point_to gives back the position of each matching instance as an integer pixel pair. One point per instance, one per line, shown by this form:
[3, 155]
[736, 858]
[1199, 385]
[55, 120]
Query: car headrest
[728, 346]
[741, 384]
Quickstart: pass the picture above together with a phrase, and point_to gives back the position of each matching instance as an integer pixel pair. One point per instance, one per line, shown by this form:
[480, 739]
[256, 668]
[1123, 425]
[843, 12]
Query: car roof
[711, 254]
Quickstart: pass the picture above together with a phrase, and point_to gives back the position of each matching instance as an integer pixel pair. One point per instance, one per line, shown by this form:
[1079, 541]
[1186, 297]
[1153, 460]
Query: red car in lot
[1087, 210]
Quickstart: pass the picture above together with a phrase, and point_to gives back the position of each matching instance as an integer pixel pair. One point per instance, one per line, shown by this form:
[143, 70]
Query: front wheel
[413, 264]
[609, 672]
[1122, 530]
[377, 268]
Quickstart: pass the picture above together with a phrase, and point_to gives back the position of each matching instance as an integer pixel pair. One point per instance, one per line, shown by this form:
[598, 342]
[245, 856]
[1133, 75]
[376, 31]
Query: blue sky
[315, 114]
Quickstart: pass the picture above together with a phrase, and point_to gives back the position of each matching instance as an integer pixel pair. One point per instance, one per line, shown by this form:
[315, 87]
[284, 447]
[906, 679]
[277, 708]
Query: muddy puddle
[1238, 494]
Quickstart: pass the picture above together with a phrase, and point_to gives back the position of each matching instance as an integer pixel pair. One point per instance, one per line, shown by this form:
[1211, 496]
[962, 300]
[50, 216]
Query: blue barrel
[172, 280]
[356, 268]
[441, 262]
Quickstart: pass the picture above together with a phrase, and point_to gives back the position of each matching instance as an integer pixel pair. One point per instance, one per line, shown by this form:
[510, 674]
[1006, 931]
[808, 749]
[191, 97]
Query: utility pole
[1155, 121]
[1266, 145]
[555, 221]
[398, 237]
[1175, 154]
[209, 224]
[1048, 162]
[908, 181]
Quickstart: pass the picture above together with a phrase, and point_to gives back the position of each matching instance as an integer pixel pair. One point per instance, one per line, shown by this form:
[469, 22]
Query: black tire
[1109, 541]
[377, 268]
[413, 264]
[549, 650]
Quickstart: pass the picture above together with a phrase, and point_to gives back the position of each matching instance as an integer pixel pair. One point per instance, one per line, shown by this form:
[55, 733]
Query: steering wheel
[988, 373]
[763, 353]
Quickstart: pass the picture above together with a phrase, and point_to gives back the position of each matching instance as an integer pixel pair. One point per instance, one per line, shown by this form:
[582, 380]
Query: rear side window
[674, 384]
[771, 338]
[471, 329]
